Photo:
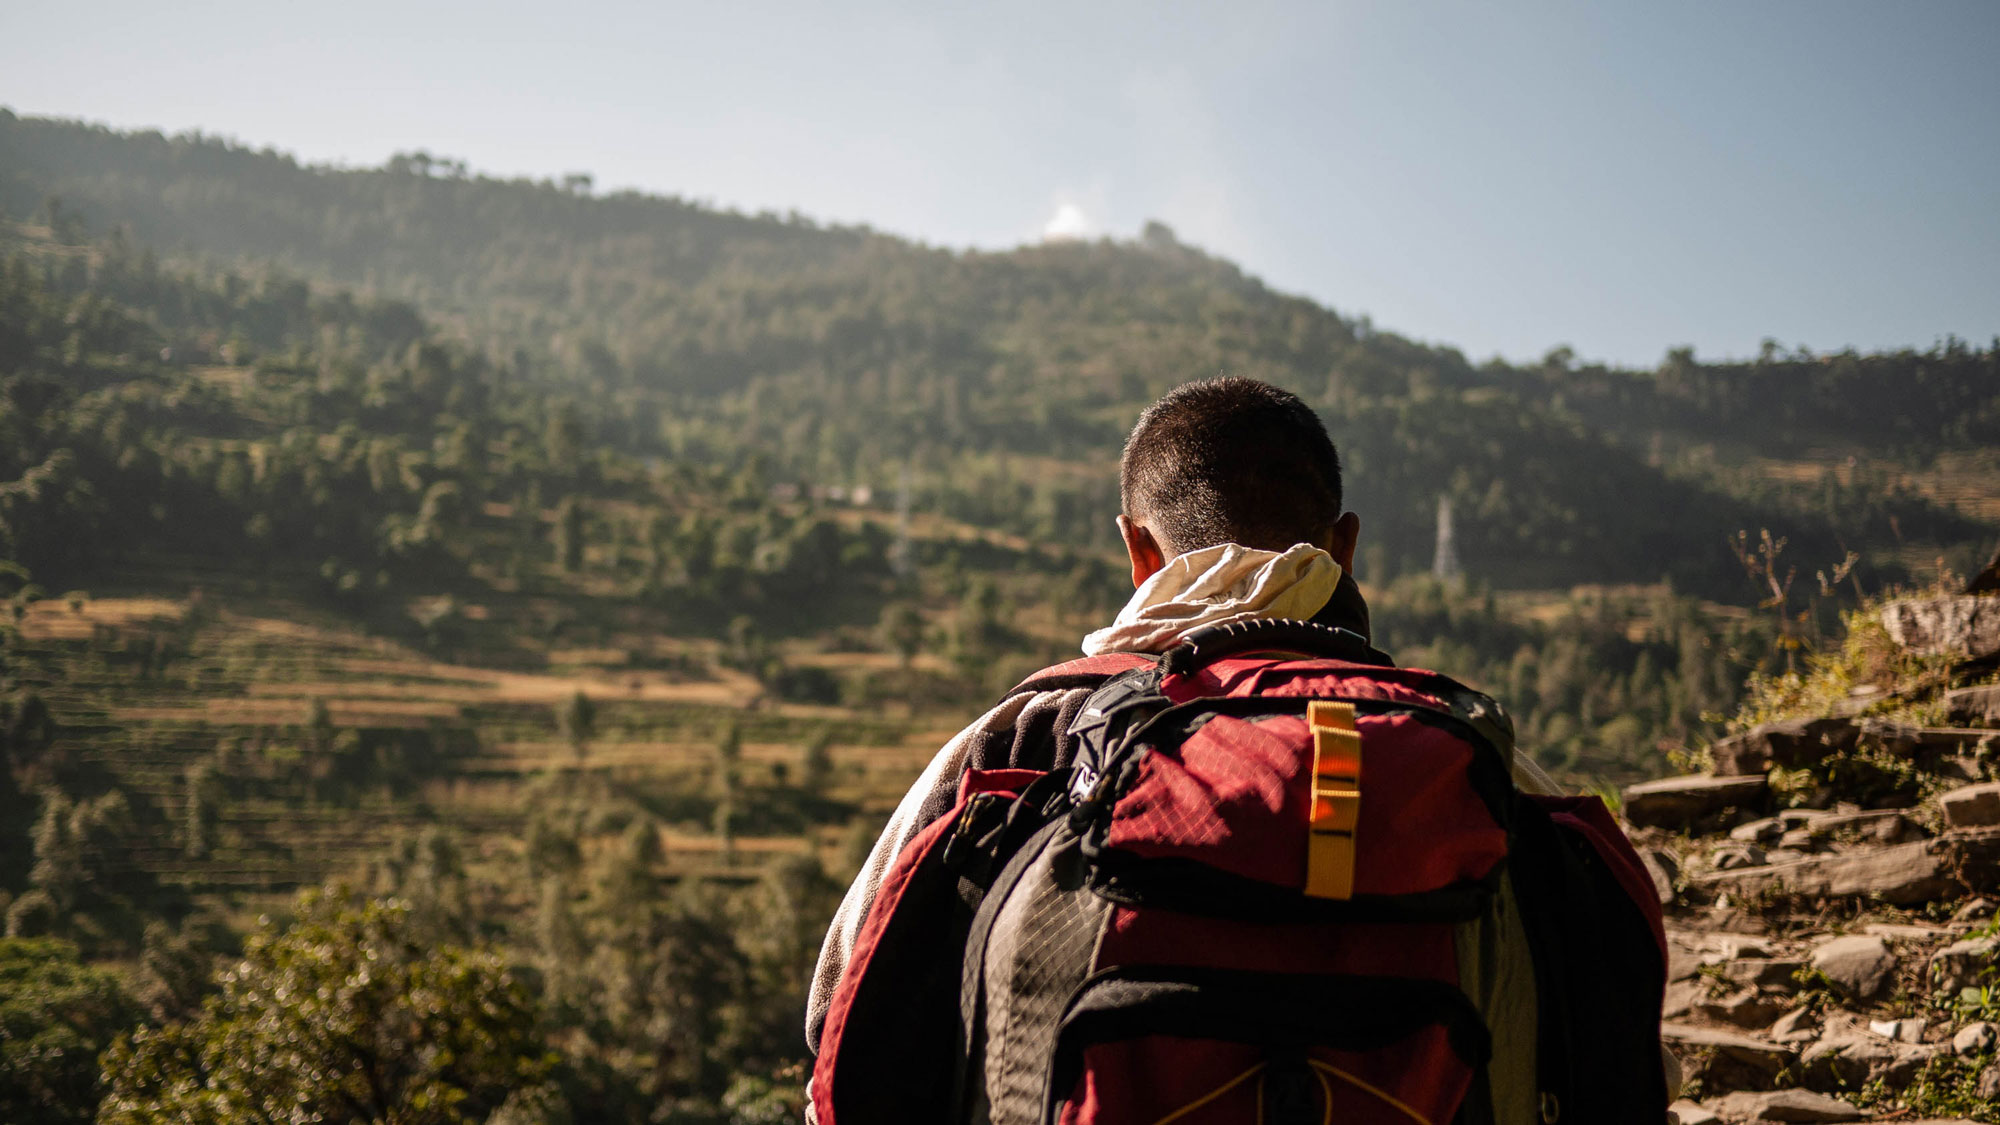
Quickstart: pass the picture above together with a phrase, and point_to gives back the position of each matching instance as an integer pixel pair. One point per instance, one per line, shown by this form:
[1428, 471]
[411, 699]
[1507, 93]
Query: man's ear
[1143, 549]
[1346, 533]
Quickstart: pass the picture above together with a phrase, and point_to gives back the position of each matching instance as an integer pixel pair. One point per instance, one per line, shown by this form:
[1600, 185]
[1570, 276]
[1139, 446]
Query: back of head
[1231, 460]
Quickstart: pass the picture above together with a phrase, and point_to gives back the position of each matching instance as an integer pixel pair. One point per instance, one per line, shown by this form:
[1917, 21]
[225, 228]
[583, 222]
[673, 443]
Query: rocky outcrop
[1727, 1059]
[1974, 706]
[1800, 743]
[1860, 965]
[1958, 965]
[1972, 806]
[1905, 875]
[1987, 581]
[1963, 626]
[1676, 802]
[1820, 955]
[1786, 1105]
[1789, 744]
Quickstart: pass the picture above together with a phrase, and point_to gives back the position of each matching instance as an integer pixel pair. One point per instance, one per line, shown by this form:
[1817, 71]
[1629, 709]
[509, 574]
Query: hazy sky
[1621, 177]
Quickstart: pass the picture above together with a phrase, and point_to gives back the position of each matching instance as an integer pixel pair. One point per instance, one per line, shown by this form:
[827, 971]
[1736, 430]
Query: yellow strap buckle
[1336, 799]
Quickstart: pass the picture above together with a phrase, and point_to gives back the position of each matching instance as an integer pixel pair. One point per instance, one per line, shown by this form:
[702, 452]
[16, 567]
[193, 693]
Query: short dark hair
[1230, 460]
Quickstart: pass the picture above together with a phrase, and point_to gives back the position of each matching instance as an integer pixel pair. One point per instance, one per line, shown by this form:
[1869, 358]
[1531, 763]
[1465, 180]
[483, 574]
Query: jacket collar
[1231, 582]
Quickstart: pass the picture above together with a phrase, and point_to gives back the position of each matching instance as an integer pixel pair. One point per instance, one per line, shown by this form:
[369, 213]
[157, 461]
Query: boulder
[1848, 1055]
[1746, 1008]
[1974, 853]
[1963, 626]
[1972, 806]
[1786, 1105]
[1682, 995]
[1987, 581]
[1799, 1025]
[1974, 706]
[1959, 768]
[1762, 831]
[1798, 839]
[1741, 945]
[1892, 830]
[1730, 857]
[1958, 965]
[1902, 1031]
[1989, 1083]
[1661, 868]
[1976, 1038]
[1903, 875]
[1860, 966]
[1974, 910]
[1790, 743]
[1954, 740]
[1927, 743]
[1676, 802]
[1779, 974]
[1909, 930]
[1726, 1059]
[1804, 833]
[1868, 824]
[1692, 1113]
[1683, 960]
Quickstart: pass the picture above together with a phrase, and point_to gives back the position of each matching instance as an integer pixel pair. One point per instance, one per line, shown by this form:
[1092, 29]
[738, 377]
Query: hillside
[1004, 378]
[593, 573]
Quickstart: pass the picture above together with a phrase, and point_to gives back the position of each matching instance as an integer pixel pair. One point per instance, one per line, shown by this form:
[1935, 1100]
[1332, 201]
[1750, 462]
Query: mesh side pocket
[1040, 950]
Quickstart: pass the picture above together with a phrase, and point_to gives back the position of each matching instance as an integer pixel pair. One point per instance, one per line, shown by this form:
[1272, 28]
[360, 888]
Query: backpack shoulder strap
[1086, 672]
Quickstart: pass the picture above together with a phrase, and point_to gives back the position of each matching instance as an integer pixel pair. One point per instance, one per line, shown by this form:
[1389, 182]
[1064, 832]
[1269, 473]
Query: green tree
[425, 874]
[201, 813]
[728, 790]
[552, 849]
[562, 438]
[56, 1016]
[748, 649]
[569, 535]
[348, 1015]
[175, 971]
[59, 868]
[577, 719]
[816, 768]
[695, 984]
[902, 627]
[560, 944]
[627, 881]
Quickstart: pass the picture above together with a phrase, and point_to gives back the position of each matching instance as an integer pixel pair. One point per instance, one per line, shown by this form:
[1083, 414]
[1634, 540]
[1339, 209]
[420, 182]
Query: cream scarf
[1214, 585]
[1232, 582]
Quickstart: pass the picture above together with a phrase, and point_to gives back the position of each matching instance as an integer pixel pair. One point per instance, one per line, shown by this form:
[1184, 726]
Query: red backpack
[1271, 889]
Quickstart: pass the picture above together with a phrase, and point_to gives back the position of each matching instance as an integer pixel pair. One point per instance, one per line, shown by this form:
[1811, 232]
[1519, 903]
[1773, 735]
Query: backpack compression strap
[1336, 799]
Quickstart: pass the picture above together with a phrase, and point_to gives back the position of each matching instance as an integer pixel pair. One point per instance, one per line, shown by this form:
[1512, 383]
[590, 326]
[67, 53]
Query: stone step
[1677, 802]
[1974, 706]
[1797, 743]
[1971, 806]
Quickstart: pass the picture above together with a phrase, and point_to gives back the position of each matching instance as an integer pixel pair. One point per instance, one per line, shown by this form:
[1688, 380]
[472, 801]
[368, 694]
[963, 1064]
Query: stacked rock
[1830, 890]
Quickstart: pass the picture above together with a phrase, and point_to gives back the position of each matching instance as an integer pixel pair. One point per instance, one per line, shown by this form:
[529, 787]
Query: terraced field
[314, 748]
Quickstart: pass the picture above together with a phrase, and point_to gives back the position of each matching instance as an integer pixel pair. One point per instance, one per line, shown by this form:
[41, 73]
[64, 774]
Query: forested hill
[590, 575]
[1005, 380]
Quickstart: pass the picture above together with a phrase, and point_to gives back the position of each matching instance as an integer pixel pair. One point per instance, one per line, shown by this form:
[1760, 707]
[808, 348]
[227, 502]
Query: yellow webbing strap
[1336, 799]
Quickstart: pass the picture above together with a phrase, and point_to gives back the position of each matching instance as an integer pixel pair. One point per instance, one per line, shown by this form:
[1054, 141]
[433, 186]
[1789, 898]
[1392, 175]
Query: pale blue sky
[1621, 177]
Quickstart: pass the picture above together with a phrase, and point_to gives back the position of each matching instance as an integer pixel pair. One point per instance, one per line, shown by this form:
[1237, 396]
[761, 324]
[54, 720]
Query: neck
[1347, 609]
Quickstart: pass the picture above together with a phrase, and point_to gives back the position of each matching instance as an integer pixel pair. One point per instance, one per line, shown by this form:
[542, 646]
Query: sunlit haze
[1504, 178]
